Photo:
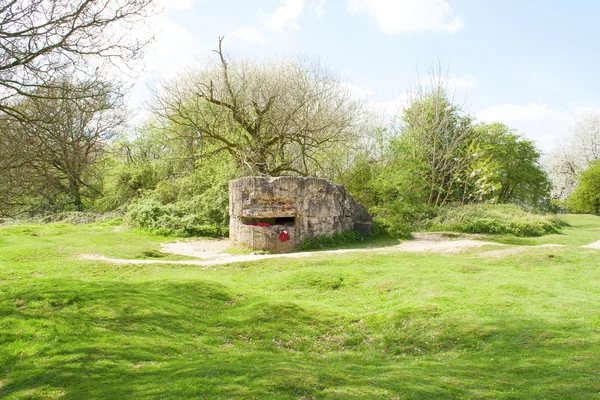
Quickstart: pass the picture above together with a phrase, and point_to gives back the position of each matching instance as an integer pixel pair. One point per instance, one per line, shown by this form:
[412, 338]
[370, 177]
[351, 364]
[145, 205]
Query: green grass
[355, 325]
[578, 230]
[494, 219]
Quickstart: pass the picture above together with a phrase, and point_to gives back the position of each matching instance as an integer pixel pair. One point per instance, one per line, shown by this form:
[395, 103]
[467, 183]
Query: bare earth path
[595, 245]
[212, 252]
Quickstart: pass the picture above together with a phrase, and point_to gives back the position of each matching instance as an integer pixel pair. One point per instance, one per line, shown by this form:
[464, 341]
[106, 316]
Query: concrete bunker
[276, 214]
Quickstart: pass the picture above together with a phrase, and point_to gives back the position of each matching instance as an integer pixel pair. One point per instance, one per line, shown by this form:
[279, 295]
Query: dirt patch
[211, 252]
[201, 248]
[595, 245]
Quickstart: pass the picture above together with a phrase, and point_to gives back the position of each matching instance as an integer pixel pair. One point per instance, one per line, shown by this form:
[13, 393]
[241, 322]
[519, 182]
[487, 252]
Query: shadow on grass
[114, 340]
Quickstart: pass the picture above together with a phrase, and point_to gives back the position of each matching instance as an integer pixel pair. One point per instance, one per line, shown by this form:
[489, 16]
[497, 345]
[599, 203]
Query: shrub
[122, 184]
[185, 218]
[329, 242]
[495, 219]
[400, 217]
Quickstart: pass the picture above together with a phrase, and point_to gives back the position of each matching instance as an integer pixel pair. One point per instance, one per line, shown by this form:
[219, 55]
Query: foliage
[42, 42]
[576, 154]
[133, 167]
[506, 169]
[360, 325]
[192, 205]
[53, 168]
[124, 183]
[435, 136]
[330, 241]
[273, 119]
[495, 219]
[198, 216]
[586, 197]
[437, 157]
[386, 184]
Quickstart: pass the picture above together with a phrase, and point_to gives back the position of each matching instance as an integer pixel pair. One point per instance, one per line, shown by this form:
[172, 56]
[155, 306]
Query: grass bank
[494, 219]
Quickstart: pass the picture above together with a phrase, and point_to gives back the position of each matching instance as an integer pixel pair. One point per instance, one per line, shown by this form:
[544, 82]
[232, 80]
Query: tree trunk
[75, 194]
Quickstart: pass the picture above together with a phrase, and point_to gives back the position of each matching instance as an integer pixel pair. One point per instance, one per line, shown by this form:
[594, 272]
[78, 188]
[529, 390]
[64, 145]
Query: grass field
[359, 325]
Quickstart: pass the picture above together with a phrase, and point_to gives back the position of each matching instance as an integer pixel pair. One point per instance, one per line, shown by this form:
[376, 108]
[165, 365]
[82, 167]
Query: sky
[530, 64]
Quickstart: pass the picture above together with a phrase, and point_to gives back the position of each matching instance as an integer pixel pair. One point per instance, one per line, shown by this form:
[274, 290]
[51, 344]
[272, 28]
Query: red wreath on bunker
[284, 236]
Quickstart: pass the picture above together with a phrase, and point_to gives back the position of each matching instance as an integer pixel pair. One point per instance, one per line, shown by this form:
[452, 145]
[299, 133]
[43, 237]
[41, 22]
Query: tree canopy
[580, 148]
[42, 41]
[435, 136]
[586, 196]
[272, 119]
[53, 161]
[506, 167]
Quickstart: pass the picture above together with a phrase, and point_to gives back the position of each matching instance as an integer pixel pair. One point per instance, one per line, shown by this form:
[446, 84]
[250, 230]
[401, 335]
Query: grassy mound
[494, 218]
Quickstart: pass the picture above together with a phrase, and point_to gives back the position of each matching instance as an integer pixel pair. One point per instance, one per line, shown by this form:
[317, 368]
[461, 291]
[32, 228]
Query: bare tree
[56, 153]
[273, 119]
[575, 155]
[435, 136]
[15, 153]
[41, 40]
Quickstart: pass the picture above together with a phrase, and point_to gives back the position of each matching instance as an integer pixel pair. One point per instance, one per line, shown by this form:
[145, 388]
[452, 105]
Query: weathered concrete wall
[318, 207]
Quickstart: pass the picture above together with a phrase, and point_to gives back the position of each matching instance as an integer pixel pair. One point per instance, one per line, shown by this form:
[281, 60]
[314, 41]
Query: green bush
[494, 219]
[401, 217]
[185, 218]
[329, 242]
[124, 183]
[192, 205]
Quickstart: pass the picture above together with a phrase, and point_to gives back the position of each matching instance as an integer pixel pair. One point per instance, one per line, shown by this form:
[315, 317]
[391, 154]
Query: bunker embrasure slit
[258, 221]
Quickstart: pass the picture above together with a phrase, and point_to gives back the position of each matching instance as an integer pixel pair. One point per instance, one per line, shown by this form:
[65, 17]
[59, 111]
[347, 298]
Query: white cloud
[250, 35]
[403, 16]
[583, 109]
[514, 112]
[173, 50]
[173, 47]
[384, 111]
[318, 6]
[358, 91]
[538, 122]
[285, 16]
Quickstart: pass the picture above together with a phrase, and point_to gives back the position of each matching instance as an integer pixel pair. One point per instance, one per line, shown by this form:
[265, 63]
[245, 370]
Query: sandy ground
[211, 252]
[201, 248]
[595, 245]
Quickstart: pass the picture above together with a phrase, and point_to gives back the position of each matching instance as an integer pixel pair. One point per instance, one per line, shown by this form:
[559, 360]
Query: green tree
[435, 136]
[586, 197]
[62, 140]
[505, 168]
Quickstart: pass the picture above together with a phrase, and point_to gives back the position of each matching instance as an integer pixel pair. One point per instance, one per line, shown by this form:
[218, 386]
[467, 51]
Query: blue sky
[530, 64]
